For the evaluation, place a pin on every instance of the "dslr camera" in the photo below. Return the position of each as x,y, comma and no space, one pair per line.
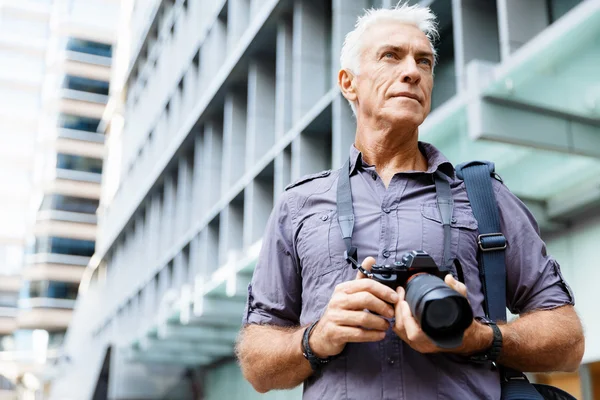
442,312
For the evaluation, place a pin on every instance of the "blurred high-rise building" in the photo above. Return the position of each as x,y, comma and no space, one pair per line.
218,104
55,63
23,40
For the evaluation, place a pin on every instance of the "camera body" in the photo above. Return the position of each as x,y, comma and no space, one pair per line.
400,273
442,313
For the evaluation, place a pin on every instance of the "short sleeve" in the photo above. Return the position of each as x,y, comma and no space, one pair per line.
275,295
534,279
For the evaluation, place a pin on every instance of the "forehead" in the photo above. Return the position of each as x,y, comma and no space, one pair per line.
395,33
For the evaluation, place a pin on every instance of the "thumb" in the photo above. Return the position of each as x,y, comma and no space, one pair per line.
456,285
366,264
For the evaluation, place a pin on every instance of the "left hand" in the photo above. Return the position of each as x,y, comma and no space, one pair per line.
408,329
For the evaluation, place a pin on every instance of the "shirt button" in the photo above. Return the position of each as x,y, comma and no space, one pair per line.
386,210
453,220
386,253
391,361
324,217
374,176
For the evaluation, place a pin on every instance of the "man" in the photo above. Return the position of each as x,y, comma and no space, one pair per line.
302,276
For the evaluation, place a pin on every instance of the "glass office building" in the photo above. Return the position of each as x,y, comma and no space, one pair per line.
217,105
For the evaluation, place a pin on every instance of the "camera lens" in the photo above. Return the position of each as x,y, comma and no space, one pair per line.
443,313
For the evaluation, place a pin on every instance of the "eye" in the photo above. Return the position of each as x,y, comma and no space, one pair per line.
389,55
424,61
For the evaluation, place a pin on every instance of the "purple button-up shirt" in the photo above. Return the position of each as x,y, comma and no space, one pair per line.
302,260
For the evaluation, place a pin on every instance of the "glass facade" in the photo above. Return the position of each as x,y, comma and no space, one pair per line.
85,85
89,47
24,338
78,122
58,245
69,203
49,289
79,163
8,299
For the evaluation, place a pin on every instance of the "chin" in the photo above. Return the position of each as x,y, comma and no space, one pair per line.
404,118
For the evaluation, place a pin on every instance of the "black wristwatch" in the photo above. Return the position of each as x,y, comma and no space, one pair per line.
493,352
316,363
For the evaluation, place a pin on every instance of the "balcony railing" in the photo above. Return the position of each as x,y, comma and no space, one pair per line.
46,302
78,175
72,94
68,216
76,134
53,258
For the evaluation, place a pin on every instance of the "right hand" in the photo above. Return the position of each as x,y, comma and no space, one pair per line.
345,320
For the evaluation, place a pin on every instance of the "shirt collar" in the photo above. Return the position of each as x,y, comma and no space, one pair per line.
435,160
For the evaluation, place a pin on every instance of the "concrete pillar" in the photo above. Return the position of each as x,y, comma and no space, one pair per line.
311,78
234,137
261,110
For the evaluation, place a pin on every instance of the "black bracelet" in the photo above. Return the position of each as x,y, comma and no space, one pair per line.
315,362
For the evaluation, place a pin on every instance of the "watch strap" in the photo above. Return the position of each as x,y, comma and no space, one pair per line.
316,363
493,352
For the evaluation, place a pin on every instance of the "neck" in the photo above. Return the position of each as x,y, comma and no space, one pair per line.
390,151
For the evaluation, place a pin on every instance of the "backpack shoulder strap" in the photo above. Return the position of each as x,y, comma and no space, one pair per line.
478,176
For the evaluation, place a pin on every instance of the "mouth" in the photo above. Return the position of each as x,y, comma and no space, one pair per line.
408,95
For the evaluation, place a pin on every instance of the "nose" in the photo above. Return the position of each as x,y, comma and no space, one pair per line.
410,72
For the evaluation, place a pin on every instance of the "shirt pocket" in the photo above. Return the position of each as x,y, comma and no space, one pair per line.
320,250
463,232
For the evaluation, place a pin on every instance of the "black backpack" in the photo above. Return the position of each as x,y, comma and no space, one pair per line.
477,176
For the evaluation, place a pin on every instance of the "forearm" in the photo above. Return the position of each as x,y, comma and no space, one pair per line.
271,357
543,341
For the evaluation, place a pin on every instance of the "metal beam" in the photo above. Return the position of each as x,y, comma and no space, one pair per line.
522,124
217,311
180,347
168,358
200,333
583,197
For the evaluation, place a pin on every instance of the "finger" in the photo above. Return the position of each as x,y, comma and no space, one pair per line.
411,326
350,334
368,301
369,285
399,323
360,319
456,285
366,264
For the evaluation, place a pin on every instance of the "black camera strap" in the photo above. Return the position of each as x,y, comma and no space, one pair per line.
345,213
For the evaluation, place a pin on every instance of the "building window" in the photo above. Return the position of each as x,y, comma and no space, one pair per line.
49,289
70,204
85,85
77,122
89,47
79,163
66,246
558,8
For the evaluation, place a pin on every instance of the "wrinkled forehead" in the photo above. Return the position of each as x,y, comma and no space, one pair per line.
394,33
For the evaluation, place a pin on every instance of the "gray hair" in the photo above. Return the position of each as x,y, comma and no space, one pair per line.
416,15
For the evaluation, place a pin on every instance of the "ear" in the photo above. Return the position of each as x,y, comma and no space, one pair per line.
347,84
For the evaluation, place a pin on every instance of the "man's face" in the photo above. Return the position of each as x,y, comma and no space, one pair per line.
396,74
